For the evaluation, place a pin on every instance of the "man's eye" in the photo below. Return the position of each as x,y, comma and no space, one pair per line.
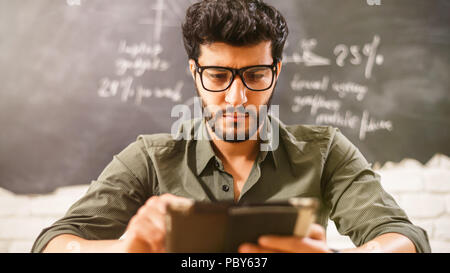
217,76
254,76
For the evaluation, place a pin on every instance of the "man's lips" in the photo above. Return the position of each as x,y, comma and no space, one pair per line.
236,116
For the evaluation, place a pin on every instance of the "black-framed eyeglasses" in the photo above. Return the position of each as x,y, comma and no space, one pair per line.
219,78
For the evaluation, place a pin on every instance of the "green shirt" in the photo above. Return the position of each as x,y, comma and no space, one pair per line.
310,161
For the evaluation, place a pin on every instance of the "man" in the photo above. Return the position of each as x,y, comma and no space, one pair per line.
234,49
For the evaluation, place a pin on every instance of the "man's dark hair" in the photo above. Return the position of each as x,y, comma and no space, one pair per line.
235,22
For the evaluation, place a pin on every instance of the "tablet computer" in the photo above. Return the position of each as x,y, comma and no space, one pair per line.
204,227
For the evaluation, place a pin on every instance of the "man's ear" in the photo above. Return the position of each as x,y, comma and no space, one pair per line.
279,66
192,68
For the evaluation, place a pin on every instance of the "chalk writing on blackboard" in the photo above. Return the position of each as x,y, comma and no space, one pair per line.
316,102
371,125
322,107
348,120
140,58
125,89
356,53
306,56
136,59
341,88
344,54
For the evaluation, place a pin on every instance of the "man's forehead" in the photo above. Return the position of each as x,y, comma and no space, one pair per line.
223,54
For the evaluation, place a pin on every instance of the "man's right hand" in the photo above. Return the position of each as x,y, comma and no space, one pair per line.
146,231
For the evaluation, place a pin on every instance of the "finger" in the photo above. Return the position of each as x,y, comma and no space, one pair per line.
152,233
316,232
156,202
139,235
146,238
170,199
282,243
293,244
156,217
161,202
146,225
153,214
252,248
157,239
315,246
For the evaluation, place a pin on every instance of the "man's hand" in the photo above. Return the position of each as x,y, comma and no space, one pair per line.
314,242
146,231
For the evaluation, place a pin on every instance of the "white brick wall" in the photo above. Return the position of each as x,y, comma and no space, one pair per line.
422,190
22,217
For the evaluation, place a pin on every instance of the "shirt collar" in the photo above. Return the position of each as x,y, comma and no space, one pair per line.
269,141
203,149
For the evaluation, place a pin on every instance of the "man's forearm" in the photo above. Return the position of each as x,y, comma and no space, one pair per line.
75,244
386,243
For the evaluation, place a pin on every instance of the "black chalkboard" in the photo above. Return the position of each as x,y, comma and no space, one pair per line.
81,79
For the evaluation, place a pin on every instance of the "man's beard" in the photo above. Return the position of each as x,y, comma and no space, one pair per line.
249,120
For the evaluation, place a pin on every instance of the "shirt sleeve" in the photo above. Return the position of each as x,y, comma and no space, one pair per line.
359,206
104,211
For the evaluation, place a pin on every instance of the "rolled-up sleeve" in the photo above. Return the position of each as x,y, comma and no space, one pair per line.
105,210
359,206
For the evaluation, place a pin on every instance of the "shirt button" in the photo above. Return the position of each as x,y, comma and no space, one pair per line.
225,188
216,164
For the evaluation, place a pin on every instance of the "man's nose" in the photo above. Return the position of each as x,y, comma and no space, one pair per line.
236,93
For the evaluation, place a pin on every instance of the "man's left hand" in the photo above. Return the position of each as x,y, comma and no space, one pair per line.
314,242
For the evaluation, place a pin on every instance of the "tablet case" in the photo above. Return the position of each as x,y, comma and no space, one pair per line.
223,226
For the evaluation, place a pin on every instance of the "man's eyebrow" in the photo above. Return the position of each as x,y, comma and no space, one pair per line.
256,66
